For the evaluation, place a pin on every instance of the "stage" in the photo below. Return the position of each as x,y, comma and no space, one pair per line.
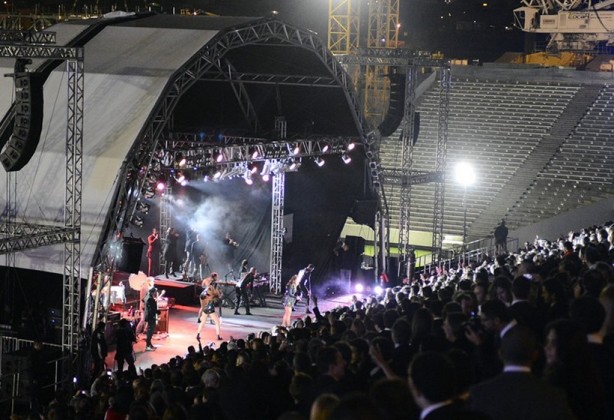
182,328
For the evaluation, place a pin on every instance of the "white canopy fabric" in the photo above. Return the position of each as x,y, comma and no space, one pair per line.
126,70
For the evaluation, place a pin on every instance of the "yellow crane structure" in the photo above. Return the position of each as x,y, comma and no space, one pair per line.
345,37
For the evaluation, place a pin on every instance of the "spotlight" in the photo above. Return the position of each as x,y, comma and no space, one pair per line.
160,186
319,161
359,288
219,157
254,153
184,183
253,168
218,174
148,192
266,177
351,146
325,148
346,159
142,207
296,150
137,221
294,165
180,178
378,290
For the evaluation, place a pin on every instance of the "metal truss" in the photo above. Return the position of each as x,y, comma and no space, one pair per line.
31,51
72,208
273,79
241,149
208,59
394,176
28,37
277,231
407,136
440,158
20,236
166,218
242,96
30,236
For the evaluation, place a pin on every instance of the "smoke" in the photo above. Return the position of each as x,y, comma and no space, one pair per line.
229,209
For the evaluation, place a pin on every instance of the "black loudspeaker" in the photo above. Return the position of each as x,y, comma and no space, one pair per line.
132,252
395,107
356,244
363,212
28,122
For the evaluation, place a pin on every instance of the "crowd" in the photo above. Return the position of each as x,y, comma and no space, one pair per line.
526,334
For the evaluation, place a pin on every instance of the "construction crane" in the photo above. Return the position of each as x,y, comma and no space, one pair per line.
572,24
346,37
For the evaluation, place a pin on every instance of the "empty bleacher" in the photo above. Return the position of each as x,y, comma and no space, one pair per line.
539,148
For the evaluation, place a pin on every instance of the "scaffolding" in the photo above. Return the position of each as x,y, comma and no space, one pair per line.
23,235
277,231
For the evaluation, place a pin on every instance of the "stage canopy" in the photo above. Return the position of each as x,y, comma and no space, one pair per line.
149,77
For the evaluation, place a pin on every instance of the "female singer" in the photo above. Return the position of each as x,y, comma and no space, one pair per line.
289,300
207,309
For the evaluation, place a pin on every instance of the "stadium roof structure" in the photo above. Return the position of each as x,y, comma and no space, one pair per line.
150,76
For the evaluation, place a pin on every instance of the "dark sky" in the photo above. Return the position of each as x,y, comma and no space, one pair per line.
469,29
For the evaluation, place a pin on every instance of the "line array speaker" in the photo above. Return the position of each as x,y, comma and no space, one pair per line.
28,122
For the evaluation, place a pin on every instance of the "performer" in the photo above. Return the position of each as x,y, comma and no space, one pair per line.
241,290
153,253
289,300
170,252
147,284
98,349
207,308
124,338
199,259
190,238
304,283
151,316
211,281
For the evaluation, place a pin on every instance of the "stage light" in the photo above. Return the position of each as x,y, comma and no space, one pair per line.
148,192
160,186
346,159
219,158
248,178
266,177
379,290
296,150
254,153
351,146
294,165
218,174
181,160
253,168
319,161
325,148
179,178
142,207
359,288
138,221
184,182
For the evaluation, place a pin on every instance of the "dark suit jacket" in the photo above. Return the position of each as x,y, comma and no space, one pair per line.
455,411
518,395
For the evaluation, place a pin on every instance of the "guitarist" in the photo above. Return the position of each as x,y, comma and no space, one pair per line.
151,316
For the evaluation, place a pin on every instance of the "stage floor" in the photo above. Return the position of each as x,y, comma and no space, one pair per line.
182,328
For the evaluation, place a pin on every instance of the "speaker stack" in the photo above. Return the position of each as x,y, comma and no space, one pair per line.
28,122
